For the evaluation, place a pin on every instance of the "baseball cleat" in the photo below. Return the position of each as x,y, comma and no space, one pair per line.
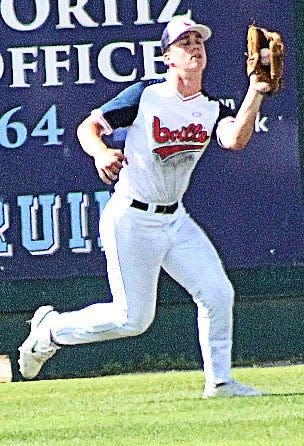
37,348
230,389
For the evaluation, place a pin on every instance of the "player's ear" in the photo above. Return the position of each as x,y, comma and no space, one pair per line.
166,56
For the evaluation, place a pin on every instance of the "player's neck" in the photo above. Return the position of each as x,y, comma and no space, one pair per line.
187,84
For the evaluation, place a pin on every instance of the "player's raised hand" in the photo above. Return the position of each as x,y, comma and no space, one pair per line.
109,163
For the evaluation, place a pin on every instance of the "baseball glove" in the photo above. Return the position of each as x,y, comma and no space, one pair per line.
265,57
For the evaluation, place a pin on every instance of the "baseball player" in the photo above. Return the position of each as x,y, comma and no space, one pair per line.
144,226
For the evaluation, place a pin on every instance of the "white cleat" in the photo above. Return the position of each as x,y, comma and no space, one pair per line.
37,348
230,389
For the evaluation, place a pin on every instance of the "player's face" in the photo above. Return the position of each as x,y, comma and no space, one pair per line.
188,52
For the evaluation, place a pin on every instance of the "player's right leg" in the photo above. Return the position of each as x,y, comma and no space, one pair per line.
134,249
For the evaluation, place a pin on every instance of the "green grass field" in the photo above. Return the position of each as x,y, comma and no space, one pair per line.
154,409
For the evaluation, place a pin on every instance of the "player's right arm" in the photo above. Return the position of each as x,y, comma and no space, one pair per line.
108,161
121,111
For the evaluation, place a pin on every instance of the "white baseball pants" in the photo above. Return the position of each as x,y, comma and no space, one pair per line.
137,244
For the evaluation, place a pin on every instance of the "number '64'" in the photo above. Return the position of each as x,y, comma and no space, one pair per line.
13,133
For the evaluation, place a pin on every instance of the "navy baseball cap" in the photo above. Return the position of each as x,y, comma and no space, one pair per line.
179,25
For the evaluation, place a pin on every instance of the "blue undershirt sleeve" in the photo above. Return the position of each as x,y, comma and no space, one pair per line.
122,110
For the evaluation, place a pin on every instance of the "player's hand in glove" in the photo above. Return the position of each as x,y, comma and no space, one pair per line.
108,163
265,60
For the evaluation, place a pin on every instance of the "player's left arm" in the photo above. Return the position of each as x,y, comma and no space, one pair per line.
234,133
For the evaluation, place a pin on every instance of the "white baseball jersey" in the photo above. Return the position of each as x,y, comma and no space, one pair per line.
167,135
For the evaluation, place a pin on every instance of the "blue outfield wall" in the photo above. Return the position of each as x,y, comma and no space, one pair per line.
67,60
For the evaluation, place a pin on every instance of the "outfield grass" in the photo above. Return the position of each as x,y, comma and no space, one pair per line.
160,409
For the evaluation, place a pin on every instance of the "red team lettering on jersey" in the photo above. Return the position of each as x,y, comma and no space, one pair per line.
193,135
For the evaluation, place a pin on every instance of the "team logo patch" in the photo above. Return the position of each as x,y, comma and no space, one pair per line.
168,151
192,138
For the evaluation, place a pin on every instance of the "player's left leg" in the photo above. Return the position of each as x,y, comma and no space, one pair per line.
194,263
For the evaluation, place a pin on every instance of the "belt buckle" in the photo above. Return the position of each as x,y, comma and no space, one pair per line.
161,209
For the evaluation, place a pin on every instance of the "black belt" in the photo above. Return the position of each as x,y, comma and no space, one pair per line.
159,209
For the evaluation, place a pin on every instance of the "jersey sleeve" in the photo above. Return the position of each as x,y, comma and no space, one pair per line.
225,114
122,110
